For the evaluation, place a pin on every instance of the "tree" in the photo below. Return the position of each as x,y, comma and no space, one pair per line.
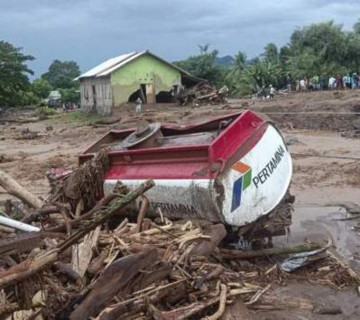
41,88
357,27
326,42
271,53
353,51
70,95
14,73
238,66
203,66
303,64
61,74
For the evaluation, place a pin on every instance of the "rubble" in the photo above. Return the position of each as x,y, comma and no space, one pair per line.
108,260
203,93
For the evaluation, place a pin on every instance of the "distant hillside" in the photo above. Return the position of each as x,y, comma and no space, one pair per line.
225,61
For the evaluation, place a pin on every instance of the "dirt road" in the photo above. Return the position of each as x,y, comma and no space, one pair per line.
326,166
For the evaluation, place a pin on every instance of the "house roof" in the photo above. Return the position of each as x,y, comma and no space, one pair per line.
102,67
106,68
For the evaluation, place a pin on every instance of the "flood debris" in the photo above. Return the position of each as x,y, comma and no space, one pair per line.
203,93
15,189
299,260
109,259
27,134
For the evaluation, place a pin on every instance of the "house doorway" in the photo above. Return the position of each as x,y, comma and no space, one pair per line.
140,93
150,93
94,96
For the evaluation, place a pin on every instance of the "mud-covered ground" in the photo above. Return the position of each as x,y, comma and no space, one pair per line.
321,129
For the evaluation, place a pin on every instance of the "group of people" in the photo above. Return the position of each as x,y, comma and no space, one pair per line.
68,106
266,93
348,81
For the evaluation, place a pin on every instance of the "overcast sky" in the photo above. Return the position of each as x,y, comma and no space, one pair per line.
90,31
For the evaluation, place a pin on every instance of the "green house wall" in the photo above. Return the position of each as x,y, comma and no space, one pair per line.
143,70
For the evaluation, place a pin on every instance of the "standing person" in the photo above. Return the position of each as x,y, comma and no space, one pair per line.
306,83
344,81
138,102
332,83
315,82
272,92
339,82
262,93
288,83
347,81
302,85
354,81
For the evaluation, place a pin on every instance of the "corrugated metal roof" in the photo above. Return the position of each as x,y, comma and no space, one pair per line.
102,67
117,66
109,66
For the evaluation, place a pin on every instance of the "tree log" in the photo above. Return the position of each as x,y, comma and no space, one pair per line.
22,242
38,213
237,254
138,304
29,267
114,278
15,189
205,247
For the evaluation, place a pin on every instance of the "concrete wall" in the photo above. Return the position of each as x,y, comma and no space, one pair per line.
103,95
143,70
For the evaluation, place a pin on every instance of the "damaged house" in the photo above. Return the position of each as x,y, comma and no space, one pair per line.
129,76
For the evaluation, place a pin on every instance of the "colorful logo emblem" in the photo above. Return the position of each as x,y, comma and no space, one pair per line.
240,184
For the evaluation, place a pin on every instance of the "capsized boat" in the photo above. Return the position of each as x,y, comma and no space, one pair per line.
233,169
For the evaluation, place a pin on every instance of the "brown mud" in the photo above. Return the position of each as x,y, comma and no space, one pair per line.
321,172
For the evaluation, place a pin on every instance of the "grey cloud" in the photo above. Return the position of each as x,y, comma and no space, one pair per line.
93,30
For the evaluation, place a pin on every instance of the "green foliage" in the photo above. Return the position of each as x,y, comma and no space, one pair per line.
318,49
41,88
204,66
322,48
357,27
14,81
271,53
70,95
61,74
44,112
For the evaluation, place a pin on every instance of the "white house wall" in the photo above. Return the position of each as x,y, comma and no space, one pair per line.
103,95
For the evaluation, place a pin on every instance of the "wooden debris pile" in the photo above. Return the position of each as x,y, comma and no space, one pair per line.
203,93
112,262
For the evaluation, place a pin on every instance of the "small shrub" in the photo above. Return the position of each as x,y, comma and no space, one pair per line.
45,112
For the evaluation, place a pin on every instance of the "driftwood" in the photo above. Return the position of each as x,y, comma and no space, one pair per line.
33,216
188,311
143,208
67,270
97,263
83,218
205,247
21,243
30,266
82,253
237,254
220,311
203,93
132,267
138,304
17,190
115,277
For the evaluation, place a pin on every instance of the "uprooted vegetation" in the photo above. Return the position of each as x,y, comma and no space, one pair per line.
114,258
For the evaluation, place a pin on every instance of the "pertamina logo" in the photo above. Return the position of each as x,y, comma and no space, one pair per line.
240,184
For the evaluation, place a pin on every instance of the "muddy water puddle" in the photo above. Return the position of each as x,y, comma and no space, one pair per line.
318,224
